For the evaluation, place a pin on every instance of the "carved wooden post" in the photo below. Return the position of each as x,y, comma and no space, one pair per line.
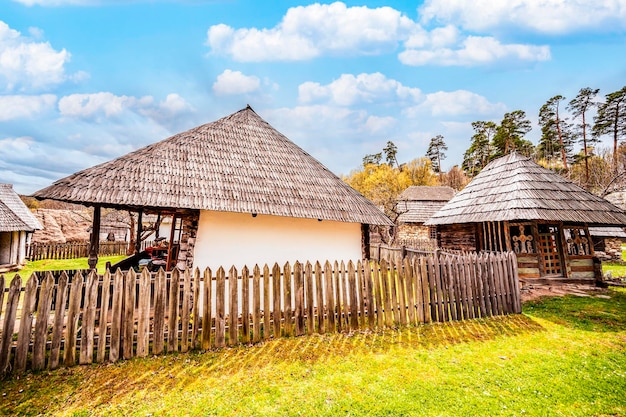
139,229
94,244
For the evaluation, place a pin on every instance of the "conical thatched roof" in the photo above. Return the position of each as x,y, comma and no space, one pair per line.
14,215
236,164
515,188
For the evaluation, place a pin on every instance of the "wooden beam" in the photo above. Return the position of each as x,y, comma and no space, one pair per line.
139,228
94,243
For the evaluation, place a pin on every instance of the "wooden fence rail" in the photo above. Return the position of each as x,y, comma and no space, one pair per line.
80,319
72,250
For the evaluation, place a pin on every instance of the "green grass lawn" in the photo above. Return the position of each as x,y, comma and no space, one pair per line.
561,357
62,264
617,270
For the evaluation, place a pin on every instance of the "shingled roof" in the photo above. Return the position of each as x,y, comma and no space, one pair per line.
236,164
515,188
417,203
14,215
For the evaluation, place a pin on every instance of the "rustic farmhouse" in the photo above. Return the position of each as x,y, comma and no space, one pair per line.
516,205
417,204
17,224
239,193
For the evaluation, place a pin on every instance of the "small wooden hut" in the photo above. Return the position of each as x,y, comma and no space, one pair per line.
417,204
516,205
238,191
17,224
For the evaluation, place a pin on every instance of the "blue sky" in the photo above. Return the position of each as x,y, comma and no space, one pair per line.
84,81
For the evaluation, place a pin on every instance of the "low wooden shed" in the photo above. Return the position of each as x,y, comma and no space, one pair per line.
516,205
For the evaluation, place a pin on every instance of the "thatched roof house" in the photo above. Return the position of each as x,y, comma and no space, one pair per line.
515,204
239,182
16,225
417,204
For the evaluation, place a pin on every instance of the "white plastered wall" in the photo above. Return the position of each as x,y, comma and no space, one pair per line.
227,239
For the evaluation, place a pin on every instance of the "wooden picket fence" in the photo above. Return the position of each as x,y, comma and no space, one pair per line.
80,319
73,250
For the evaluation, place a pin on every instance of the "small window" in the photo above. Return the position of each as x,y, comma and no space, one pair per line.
432,232
522,239
577,241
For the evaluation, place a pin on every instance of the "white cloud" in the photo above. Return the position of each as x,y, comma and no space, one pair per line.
376,124
306,32
15,107
544,16
455,103
234,82
29,65
475,50
363,88
107,105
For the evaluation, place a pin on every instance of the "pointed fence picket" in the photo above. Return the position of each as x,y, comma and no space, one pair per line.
97,318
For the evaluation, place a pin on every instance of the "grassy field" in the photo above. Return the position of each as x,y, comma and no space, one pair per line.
561,357
62,264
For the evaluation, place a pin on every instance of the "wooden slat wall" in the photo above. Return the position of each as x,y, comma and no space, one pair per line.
128,315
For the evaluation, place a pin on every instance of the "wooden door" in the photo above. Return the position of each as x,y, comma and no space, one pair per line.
550,250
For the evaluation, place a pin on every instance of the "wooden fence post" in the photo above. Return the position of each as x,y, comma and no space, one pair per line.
256,304
41,325
207,309
233,314
10,313
89,318
73,314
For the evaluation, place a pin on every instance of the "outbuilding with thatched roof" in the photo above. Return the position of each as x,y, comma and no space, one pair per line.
514,204
239,192
17,223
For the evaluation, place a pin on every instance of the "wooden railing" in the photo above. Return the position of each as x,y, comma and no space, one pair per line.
81,319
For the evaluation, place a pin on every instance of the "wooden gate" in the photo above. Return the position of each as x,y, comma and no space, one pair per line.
550,250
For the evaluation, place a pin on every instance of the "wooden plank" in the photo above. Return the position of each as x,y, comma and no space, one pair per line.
490,306
160,308
299,293
330,297
128,315
88,322
266,302
319,298
369,296
2,288
103,319
309,298
256,304
143,312
410,289
116,316
425,284
402,298
432,289
276,312
57,325
361,294
354,320
393,290
338,302
41,324
207,308
385,295
195,311
416,266
73,314
220,319
504,284
185,311
497,291
26,324
343,287
8,325
172,311
233,313
287,299
245,305
517,305
468,294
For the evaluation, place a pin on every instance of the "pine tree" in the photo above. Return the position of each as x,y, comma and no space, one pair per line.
611,120
556,137
579,106
435,152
